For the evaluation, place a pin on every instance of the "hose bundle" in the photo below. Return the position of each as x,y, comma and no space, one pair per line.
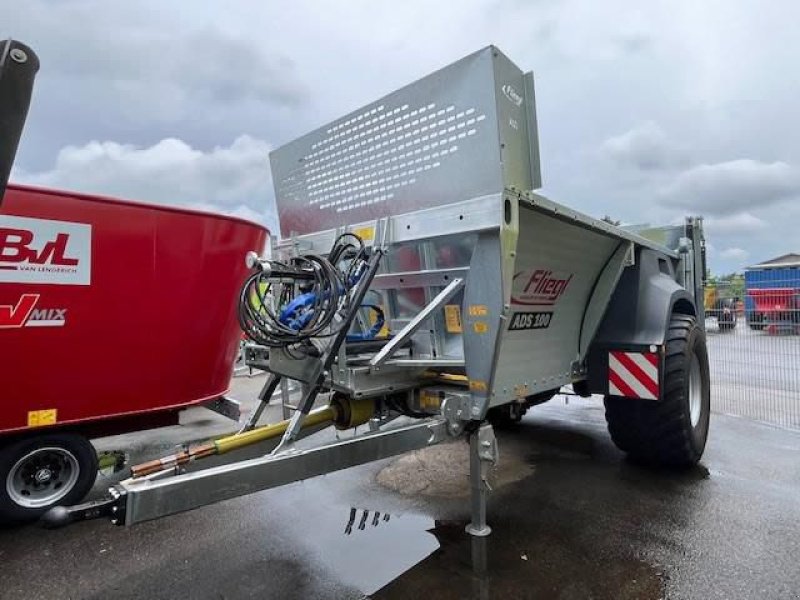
306,302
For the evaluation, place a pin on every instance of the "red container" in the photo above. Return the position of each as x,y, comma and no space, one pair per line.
780,308
112,308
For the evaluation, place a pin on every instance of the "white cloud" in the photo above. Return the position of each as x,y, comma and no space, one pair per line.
153,60
146,71
646,147
726,188
743,222
232,179
737,254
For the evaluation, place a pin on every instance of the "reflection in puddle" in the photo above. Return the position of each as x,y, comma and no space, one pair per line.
480,567
365,515
368,549
378,548
361,547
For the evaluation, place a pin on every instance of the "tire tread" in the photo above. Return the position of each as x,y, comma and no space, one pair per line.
659,432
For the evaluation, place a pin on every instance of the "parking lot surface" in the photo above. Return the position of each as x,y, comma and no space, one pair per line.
571,519
755,374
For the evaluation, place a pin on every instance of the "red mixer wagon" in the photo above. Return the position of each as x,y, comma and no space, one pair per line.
114,315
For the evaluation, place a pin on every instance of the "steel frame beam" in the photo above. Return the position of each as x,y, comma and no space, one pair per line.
415,323
146,499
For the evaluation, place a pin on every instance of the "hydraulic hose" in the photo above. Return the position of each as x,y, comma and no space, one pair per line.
291,302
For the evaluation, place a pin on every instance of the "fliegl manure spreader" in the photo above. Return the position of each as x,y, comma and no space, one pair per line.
421,288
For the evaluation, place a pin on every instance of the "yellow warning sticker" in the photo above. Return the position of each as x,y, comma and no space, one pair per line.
480,326
476,385
478,310
365,233
39,418
452,318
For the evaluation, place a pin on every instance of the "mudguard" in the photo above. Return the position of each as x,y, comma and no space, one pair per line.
638,314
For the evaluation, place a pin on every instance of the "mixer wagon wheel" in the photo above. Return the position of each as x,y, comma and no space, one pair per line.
39,472
672,430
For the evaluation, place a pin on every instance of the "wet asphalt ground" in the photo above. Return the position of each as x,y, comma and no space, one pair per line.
571,519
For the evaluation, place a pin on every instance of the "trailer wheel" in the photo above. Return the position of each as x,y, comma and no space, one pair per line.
671,431
37,473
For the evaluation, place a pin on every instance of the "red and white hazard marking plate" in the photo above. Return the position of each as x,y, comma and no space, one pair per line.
633,374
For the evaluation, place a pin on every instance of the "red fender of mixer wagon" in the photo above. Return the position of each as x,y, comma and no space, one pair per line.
112,309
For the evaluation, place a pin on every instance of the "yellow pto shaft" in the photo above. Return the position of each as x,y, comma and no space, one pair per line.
266,432
342,412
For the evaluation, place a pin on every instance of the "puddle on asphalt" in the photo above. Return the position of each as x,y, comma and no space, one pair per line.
361,547
507,565
388,556
545,552
367,548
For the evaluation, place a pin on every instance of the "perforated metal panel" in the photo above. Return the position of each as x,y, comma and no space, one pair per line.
459,133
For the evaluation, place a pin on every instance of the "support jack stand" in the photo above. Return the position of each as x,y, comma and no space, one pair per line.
483,455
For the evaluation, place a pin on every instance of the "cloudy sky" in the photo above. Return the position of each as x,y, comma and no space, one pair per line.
647,110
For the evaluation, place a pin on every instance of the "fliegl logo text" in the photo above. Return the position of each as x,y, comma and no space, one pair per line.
44,251
512,94
29,312
539,287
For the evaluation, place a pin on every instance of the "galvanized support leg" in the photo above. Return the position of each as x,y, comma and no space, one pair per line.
285,408
264,397
309,395
482,456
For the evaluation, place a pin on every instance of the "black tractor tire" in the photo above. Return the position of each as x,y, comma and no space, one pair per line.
672,430
727,323
724,311
42,471
756,322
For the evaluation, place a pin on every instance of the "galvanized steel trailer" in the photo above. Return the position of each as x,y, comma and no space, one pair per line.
468,298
